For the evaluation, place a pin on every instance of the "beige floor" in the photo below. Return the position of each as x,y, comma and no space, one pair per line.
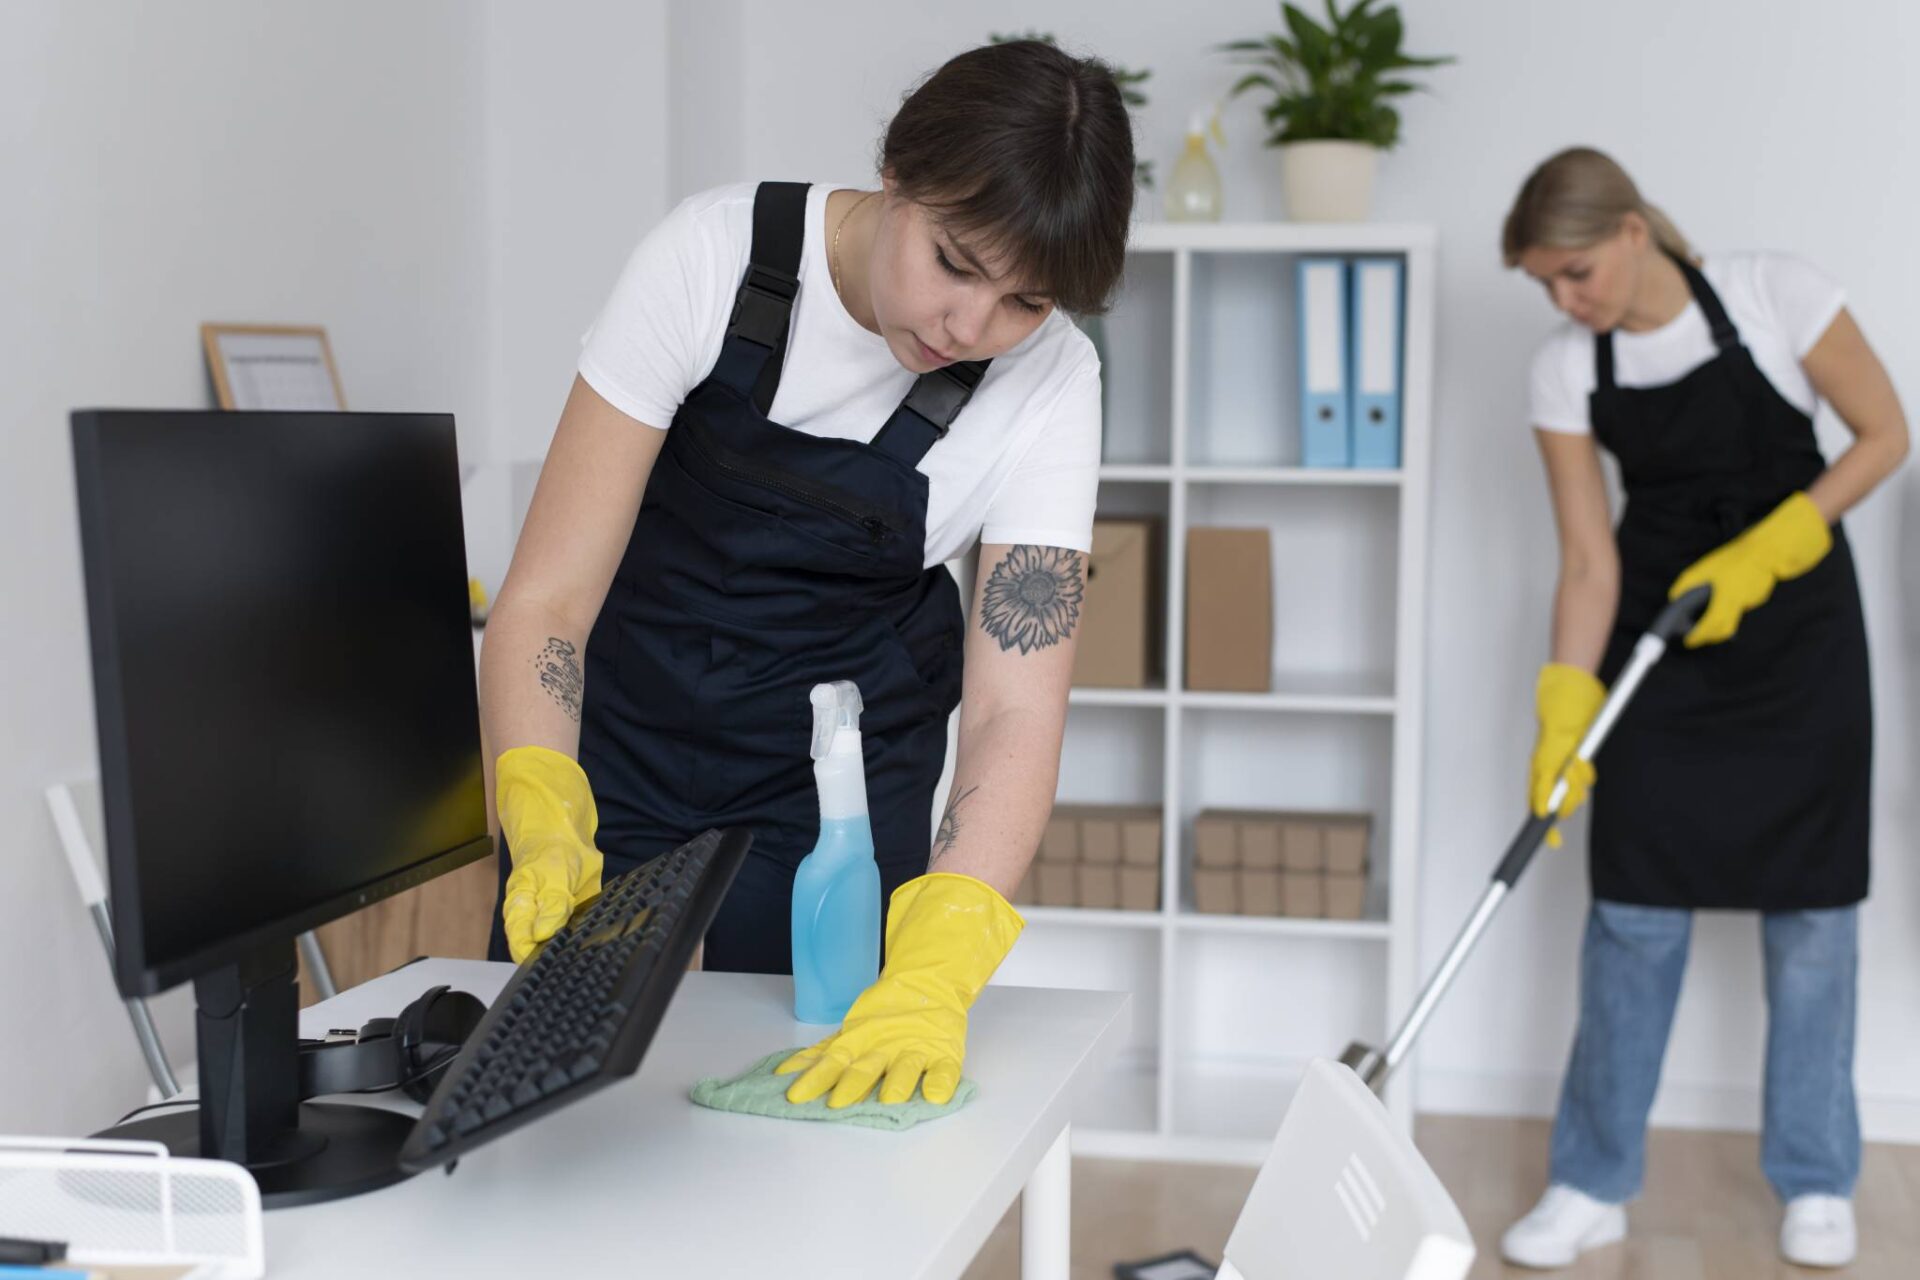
1707,1214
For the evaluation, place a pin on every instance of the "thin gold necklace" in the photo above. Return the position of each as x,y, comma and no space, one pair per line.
833,255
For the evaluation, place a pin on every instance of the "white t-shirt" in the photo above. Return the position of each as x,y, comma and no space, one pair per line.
1781,305
1021,464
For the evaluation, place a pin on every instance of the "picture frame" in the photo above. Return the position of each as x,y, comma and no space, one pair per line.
272,366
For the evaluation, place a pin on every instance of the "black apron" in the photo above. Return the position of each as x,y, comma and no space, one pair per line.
764,561
1738,777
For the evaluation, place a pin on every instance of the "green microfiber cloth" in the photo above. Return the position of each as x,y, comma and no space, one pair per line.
758,1092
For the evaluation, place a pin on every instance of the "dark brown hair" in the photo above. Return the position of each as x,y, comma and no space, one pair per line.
1023,150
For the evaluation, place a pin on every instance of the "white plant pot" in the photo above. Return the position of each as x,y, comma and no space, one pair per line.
1326,181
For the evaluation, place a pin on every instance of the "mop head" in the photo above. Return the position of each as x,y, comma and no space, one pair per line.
758,1092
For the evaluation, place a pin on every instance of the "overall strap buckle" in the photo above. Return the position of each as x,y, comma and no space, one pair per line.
763,305
940,395
922,419
763,308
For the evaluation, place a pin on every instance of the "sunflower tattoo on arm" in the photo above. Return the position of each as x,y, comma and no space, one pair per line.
1032,600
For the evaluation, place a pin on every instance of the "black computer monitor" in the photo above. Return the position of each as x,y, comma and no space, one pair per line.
288,731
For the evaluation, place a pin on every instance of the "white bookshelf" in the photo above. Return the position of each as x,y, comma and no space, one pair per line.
1202,429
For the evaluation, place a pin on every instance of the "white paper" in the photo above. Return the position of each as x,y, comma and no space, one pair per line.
278,371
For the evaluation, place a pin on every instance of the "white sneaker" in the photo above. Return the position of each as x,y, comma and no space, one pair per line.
1818,1231
1563,1225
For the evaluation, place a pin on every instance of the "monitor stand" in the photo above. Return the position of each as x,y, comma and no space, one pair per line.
250,1113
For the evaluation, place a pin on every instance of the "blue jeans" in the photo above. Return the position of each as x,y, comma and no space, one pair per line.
1630,969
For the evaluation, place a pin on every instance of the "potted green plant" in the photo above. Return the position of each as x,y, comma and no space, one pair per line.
1331,112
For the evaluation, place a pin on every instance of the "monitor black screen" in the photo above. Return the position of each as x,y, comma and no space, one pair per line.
283,672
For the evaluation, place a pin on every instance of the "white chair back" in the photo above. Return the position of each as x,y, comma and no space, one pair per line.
1345,1194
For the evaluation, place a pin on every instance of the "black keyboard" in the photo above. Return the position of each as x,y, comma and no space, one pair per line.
580,1014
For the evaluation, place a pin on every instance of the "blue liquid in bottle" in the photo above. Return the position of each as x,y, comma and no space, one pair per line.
836,922
836,891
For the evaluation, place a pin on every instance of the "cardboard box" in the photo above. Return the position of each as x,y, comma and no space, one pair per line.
1119,642
1058,884
1345,839
1140,839
1099,838
1259,843
1302,893
1060,842
1230,609
1259,892
1216,841
1346,896
1099,886
1216,892
1301,845
1139,888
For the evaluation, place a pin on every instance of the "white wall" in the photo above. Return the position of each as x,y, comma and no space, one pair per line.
449,188
1752,134
575,117
166,165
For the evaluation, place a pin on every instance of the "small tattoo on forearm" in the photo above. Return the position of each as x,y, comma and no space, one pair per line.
559,668
1032,600
950,825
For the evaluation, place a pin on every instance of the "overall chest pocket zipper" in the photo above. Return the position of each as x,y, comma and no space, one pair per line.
820,497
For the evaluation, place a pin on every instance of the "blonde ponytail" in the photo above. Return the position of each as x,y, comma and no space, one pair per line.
1577,198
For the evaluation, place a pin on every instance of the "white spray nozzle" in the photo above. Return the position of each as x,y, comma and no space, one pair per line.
1204,122
836,706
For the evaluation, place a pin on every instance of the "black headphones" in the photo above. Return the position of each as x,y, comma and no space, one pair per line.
410,1052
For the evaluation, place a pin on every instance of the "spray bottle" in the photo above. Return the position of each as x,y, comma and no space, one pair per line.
1193,193
836,892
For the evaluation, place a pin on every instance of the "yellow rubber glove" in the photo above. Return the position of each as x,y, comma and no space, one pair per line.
1567,699
1790,541
946,934
548,818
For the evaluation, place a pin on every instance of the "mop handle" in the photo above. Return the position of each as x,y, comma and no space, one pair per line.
1673,621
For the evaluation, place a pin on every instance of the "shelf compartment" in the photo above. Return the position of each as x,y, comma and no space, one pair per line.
1243,398
1335,554
1113,753
1249,1011
1135,340
1241,759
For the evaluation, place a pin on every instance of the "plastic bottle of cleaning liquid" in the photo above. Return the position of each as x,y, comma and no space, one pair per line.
1193,192
836,892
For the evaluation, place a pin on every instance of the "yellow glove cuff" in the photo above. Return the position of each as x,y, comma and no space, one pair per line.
542,793
1567,697
957,926
1792,539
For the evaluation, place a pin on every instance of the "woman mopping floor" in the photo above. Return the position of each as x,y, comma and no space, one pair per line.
1739,776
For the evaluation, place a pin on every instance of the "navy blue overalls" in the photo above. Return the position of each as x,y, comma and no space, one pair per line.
764,561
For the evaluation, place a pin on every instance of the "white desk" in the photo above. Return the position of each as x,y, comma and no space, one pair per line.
637,1171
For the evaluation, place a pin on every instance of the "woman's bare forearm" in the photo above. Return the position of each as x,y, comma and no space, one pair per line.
1583,609
532,679
1849,376
1003,787
1858,472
